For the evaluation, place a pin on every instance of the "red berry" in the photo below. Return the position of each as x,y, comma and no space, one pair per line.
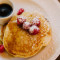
21,20
1,48
34,30
20,11
36,21
26,25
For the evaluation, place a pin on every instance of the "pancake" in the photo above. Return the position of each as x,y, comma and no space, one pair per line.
19,43
2,29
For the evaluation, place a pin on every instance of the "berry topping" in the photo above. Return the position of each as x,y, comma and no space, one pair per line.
21,20
36,21
20,11
1,48
26,25
34,30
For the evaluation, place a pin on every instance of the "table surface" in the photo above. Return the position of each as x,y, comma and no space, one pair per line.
59,55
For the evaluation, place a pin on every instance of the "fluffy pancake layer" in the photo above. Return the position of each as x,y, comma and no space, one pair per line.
19,43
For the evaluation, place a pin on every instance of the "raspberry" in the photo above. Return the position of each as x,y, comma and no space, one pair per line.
26,25
21,20
21,10
34,30
36,22
1,48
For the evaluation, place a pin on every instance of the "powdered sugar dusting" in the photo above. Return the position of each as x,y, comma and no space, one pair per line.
36,21
33,28
23,17
26,25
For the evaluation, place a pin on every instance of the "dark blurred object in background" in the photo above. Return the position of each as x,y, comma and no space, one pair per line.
58,58
59,0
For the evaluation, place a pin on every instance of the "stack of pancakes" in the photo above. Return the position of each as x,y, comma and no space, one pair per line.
19,43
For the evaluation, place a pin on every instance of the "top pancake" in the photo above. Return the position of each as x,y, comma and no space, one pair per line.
19,43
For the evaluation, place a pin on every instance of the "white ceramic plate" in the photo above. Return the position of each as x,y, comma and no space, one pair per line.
51,10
